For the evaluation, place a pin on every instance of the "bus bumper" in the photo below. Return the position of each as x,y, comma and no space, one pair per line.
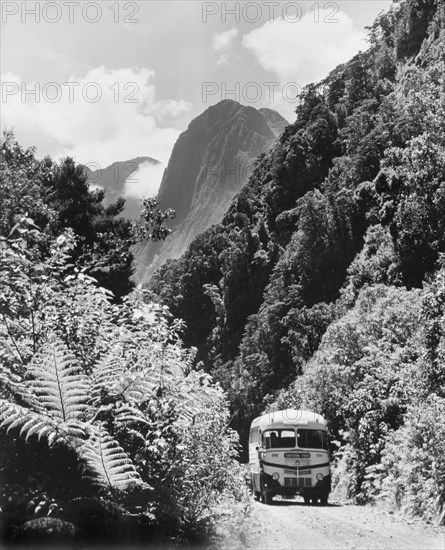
321,489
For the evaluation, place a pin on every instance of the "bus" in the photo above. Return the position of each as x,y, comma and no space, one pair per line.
289,455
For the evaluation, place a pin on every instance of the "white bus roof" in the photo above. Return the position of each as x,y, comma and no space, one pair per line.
289,417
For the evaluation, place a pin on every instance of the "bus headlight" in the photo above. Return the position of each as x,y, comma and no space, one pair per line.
319,477
276,476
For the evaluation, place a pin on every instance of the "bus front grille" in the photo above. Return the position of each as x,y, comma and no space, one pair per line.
300,473
297,481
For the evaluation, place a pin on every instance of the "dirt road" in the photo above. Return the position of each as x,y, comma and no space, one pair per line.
289,524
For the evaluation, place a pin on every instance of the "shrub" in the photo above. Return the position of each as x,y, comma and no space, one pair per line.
413,478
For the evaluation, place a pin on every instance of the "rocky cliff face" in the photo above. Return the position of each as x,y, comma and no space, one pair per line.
112,180
210,162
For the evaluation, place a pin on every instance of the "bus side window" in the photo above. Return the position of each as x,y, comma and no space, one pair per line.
254,436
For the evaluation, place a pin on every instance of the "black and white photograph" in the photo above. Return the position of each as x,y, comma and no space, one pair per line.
222,275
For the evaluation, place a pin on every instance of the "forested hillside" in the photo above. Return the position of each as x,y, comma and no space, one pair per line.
323,286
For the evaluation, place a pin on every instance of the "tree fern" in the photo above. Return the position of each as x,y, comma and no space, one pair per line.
13,416
51,401
58,382
19,391
129,414
107,373
114,375
106,463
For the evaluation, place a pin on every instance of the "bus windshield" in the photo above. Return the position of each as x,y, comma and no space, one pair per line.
312,439
279,439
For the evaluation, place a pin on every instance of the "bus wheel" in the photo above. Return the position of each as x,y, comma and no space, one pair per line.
307,500
314,500
266,496
324,500
256,494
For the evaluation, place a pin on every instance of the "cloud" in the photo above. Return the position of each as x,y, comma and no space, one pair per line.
223,41
224,59
145,181
104,116
304,51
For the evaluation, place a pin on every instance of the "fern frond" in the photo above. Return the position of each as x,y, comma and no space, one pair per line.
58,382
13,416
114,377
108,373
196,395
20,392
138,386
128,414
106,463
172,367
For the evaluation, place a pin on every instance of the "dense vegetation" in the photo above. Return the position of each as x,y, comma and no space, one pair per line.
323,285
107,433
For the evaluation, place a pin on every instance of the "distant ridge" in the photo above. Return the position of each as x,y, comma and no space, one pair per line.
112,180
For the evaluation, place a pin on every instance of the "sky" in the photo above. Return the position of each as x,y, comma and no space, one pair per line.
110,81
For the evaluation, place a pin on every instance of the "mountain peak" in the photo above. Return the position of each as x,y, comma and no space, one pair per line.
210,162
